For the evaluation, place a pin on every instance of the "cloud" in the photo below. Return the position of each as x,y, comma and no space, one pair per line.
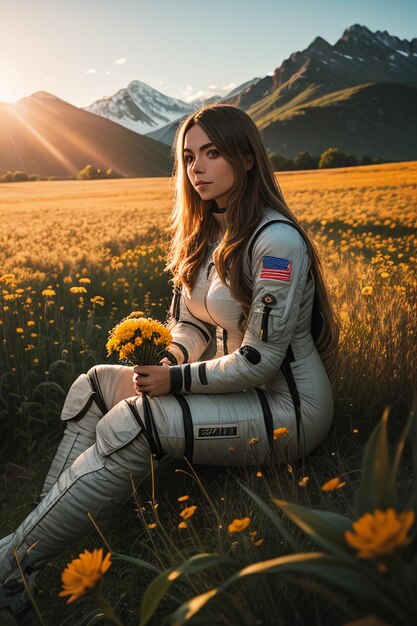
119,61
90,71
188,94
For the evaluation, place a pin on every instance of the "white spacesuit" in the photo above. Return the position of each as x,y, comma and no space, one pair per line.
229,391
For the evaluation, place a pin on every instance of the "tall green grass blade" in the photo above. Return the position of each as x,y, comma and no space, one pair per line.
274,518
158,587
333,570
326,529
131,559
376,489
411,504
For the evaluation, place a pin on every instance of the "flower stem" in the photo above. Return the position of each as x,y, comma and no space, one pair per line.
104,606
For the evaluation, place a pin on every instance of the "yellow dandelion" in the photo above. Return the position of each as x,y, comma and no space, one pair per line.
334,483
259,474
30,323
49,292
280,432
83,574
238,525
36,360
367,290
380,533
97,300
20,330
76,290
151,526
84,281
384,275
183,525
188,512
183,498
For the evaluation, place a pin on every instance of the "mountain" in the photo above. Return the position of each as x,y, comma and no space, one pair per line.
140,108
358,95
358,57
376,119
166,134
45,135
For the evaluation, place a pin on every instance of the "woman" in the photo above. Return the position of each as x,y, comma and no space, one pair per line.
243,361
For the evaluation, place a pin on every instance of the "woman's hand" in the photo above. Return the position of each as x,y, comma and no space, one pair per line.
154,380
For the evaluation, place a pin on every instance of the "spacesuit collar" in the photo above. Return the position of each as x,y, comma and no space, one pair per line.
214,208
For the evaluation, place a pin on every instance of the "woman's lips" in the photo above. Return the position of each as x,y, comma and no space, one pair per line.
202,185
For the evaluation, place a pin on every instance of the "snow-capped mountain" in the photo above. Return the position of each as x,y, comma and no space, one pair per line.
140,108
358,57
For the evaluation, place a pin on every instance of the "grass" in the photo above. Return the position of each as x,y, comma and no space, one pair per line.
106,237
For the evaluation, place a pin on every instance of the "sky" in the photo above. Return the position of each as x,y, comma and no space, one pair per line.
83,50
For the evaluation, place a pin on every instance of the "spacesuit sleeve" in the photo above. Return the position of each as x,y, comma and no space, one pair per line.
190,336
280,265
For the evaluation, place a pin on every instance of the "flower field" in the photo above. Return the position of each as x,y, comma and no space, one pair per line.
76,257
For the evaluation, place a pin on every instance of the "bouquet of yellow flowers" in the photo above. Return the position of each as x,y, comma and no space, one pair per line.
139,340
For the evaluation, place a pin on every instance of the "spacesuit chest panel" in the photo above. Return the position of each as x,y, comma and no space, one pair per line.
212,302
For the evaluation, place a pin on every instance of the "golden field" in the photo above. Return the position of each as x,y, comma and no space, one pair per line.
77,255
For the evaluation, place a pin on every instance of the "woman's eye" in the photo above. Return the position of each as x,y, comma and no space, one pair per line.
214,153
188,159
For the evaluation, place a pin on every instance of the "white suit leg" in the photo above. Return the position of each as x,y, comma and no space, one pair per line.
98,481
90,396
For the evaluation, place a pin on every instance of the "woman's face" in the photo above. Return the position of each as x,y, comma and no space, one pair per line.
211,175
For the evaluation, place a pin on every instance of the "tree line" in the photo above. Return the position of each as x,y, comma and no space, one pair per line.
330,158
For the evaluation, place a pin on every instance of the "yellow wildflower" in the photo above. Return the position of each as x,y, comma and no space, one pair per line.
151,526
238,525
20,330
30,323
253,440
380,533
82,574
49,292
183,498
368,290
280,432
84,281
303,482
97,300
188,512
183,525
78,290
334,483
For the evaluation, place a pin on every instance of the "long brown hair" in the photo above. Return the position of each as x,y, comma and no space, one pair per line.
193,227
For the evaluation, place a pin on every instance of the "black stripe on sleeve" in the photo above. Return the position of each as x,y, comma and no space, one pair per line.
187,377
203,332
202,374
183,350
175,374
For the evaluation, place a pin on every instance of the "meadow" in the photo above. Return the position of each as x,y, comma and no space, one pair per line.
77,256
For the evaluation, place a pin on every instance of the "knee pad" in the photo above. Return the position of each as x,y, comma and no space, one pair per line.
81,399
116,429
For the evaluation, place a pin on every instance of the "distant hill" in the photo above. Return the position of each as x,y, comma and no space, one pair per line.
45,135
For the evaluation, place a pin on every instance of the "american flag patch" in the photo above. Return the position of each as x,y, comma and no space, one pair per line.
275,268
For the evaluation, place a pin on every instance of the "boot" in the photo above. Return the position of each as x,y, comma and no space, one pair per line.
98,481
